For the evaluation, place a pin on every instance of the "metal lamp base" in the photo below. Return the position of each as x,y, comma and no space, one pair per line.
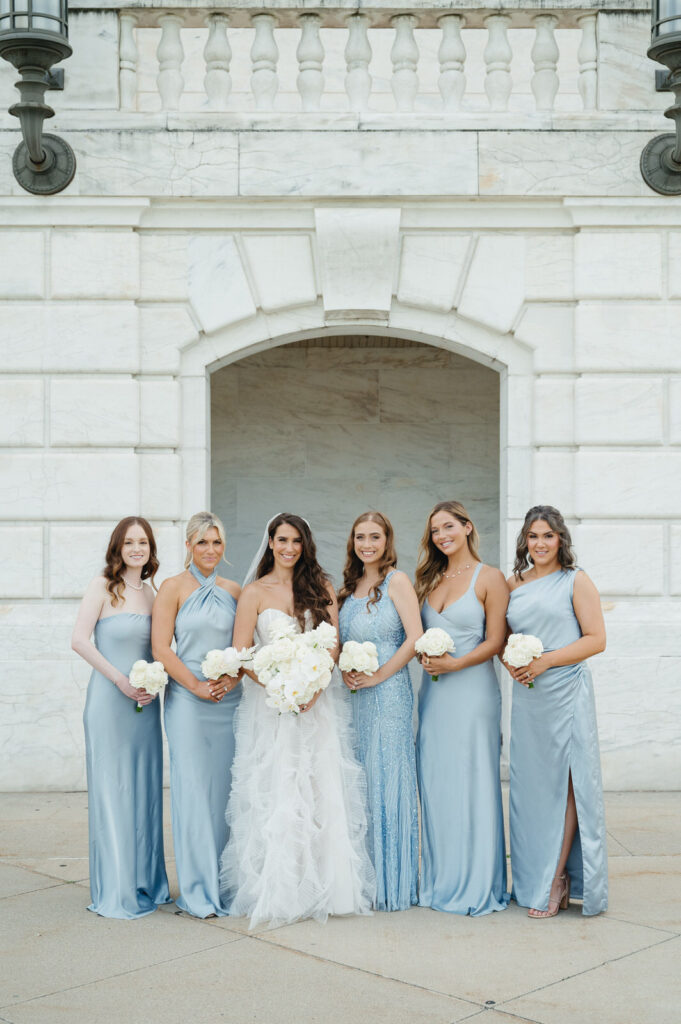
660,172
54,174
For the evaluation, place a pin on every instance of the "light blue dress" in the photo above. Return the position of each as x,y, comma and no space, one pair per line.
124,757
463,857
201,747
385,746
553,733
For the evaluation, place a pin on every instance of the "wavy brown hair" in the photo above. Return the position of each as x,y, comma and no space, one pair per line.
432,562
115,566
567,558
353,569
310,582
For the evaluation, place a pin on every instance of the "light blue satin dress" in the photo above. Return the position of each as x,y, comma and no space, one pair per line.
124,757
553,733
385,747
201,747
458,747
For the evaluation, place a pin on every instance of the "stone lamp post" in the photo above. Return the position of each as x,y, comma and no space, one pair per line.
33,37
661,158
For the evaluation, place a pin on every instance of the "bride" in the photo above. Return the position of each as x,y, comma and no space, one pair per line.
296,811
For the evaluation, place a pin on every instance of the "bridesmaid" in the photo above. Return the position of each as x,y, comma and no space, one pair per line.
198,607
124,752
463,865
557,821
378,603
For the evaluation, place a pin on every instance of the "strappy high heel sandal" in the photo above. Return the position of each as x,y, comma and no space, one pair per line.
561,903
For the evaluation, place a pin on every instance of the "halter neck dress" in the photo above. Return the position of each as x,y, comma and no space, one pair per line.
458,747
554,733
201,747
382,718
124,758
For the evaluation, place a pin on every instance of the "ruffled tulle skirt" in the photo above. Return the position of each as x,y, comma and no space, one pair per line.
296,814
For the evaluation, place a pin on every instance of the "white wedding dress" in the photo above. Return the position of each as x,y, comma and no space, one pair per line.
297,810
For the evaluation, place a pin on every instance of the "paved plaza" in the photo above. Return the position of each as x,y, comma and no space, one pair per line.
62,965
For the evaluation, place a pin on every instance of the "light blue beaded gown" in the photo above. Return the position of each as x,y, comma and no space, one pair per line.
124,757
463,857
553,734
201,747
385,746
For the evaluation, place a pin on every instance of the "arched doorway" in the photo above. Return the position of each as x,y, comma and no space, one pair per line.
329,426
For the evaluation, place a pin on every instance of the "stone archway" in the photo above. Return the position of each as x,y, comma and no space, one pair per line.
330,426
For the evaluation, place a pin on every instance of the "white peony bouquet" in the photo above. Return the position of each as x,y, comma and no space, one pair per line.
521,649
294,665
228,662
148,676
358,657
434,643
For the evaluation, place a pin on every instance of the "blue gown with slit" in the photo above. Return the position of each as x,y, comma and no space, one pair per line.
201,748
554,734
124,758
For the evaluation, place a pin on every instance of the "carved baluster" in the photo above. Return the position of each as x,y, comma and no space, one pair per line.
404,55
357,58
588,61
498,60
545,60
264,57
310,55
127,60
217,54
170,56
452,56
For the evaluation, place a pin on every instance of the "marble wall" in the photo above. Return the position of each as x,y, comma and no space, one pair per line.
117,314
331,427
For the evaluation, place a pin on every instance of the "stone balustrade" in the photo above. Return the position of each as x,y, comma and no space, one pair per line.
438,60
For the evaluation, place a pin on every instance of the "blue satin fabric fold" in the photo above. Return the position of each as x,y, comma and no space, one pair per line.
124,757
201,748
382,718
554,733
463,856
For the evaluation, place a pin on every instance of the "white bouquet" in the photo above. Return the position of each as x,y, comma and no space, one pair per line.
434,643
148,676
228,662
358,657
294,665
521,649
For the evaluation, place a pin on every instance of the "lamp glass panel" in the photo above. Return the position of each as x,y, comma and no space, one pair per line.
663,10
48,7
4,7
20,5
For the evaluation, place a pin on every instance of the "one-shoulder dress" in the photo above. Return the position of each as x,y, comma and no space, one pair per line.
385,746
463,857
201,747
553,734
124,757
296,812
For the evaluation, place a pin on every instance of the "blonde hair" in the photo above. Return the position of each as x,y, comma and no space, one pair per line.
432,562
197,528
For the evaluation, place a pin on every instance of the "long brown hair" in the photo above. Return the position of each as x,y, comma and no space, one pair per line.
567,558
432,562
310,582
115,566
354,567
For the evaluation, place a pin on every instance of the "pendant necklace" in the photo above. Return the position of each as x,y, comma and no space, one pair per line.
453,575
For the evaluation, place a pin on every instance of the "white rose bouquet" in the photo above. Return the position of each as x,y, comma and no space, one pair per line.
148,676
521,649
359,657
228,662
294,665
434,643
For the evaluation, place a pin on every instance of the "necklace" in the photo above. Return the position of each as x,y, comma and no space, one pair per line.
133,586
453,575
